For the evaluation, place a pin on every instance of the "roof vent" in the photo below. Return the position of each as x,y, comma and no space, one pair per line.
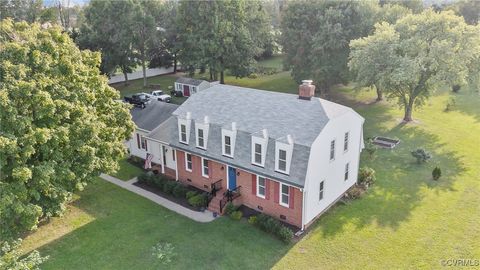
206,120
234,125
289,139
306,90
265,133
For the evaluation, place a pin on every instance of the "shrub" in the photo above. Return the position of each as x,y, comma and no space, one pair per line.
253,76
366,176
190,194
158,181
451,104
436,173
285,234
163,252
230,208
421,155
142,178
179,190
236,215
371,149
456,88
169,186
199,200
355,192
252,220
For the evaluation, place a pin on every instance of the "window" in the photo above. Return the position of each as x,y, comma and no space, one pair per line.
164,155
282,160
188,162
173,155
332,150
346,171
143,141
284,195
200,139
320,194
205,167
261,182
258,153
183,133
345,142
228,146
194,89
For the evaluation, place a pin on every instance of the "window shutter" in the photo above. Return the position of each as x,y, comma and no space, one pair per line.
138,141
276,191
291,196
254,184
267,189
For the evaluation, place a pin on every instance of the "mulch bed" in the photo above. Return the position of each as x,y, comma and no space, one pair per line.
248,212
182,201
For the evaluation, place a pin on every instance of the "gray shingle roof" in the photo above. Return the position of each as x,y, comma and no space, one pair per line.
153,115
189,81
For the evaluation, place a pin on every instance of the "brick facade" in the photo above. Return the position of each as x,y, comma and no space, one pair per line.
269,205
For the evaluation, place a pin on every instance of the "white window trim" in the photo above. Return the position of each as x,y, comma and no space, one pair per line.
232,134
143,143
288,148
346,172
348,141
330,149
203,167
186,162
197,135
280,195
187,123
264,143
258,185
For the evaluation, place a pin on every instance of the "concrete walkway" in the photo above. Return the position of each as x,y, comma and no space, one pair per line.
139,74
206,216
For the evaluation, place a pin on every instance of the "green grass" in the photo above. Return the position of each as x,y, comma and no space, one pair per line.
127,170
117,230
406,220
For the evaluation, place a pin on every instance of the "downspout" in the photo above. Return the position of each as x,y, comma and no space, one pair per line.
303,208
176,164
162,157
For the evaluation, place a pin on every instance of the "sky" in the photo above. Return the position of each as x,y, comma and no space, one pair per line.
50,3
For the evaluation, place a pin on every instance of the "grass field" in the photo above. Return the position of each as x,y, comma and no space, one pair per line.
406,221
127,170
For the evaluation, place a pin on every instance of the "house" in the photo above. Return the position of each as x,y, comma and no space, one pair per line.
289,156
190,86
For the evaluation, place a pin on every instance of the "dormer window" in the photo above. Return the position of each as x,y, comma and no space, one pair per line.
200,138
184,128
227,146
201,133
183,133
259,148
283,155
228,141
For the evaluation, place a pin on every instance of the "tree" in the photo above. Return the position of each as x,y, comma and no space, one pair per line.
105,31
470,10
417,54
60,123
316,34
21,10
223,39
10,258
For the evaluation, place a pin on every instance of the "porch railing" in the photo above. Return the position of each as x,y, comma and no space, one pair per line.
214,187
229,196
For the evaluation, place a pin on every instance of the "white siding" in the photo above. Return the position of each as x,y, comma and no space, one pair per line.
320,168
133,145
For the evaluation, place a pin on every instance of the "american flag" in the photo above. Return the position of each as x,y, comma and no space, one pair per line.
148,161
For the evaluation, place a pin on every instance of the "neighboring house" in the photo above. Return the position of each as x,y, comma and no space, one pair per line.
289,156
189,86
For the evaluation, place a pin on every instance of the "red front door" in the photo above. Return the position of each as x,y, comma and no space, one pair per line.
186,90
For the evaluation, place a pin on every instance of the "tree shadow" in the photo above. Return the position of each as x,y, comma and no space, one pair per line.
468,103
400,180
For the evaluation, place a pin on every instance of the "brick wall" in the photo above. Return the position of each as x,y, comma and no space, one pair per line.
195,177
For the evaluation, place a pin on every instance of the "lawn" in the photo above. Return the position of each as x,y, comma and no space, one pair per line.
406,220
127,170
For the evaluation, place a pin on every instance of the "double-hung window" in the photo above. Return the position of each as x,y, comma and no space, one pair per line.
205,167
188,162
284,195
320,194
282,160
346,171
143,141
200,138
228,146
261,184
332,150
345,142
183,133
258,153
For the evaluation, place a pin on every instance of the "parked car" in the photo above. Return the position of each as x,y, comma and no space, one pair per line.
176,93
139,100
160,96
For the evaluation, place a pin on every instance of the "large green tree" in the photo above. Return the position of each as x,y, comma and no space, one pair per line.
316,35
418,53
60,123
219,35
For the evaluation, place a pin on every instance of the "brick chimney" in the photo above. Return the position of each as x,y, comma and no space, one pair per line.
306,90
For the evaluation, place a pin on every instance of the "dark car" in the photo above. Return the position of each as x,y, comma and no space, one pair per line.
176,93
139,100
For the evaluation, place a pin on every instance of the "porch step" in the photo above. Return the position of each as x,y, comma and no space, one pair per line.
214,204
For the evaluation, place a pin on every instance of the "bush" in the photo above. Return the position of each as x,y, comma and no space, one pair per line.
456,88
236,215
230,208
436,173
158,182
252,220
169,186
366,176
199,200
371,149
285,234
451,104
143,178
421,155
190,194
253,76
179,190
355,192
